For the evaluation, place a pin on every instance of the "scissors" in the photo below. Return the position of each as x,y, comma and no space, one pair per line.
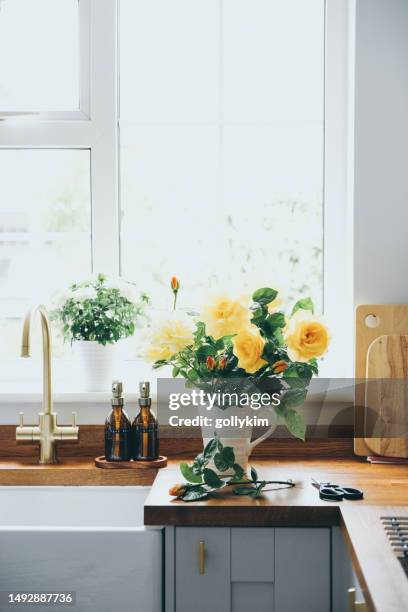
332,492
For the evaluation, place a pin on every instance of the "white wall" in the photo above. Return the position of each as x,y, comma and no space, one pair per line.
381,152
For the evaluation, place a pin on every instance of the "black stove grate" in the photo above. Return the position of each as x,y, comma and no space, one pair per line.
396,528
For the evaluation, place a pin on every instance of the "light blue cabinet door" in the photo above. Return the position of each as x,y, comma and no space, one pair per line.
302,570
209,591
252,569
252,554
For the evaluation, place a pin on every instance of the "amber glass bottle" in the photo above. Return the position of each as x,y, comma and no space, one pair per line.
118,428
145,429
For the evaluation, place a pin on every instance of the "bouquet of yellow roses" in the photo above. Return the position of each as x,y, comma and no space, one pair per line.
254,343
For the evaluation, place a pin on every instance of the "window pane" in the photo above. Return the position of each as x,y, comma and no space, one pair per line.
162,230
229,199
39,48
169,60
278,73
45,231
273,203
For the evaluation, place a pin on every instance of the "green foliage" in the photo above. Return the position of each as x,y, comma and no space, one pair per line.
202,480
304,304
189,473
210,482
264,296
100,311
225,459
295,424
212,479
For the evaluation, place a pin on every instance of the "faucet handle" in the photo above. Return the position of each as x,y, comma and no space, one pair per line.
21,419
73,421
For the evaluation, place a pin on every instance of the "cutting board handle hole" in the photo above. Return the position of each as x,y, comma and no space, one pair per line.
372,321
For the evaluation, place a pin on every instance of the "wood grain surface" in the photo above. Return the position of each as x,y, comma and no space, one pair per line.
387,396
391,319
382,485
380,574
72,472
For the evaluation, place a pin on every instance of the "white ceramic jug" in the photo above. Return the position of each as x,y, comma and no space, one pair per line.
239,438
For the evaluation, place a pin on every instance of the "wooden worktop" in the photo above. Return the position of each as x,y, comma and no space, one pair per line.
381,576
382,485
70,472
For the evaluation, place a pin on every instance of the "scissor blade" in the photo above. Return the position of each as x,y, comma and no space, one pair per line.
318,484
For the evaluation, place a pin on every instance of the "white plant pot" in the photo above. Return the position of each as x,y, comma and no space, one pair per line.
98,364
237,437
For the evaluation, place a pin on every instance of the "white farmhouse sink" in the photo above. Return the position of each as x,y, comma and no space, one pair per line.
87,540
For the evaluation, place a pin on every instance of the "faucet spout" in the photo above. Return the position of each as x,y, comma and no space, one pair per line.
46,350
47,432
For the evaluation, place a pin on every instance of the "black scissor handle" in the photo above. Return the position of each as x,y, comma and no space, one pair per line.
351,493
330,493
334,493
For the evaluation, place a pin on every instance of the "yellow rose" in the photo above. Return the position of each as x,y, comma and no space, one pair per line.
306,337
168,338
223,316
248,346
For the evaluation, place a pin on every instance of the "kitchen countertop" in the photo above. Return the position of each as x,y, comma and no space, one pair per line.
381,576
70,472
382,484
383,581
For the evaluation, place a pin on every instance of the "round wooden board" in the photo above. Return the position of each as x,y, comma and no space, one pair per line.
101,462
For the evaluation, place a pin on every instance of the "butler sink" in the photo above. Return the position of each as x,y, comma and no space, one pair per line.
89,541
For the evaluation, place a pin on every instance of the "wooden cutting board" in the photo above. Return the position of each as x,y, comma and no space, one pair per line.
380,358
386,393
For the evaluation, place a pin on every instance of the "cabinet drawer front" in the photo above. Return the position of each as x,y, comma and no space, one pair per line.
210,590
252,554
302,570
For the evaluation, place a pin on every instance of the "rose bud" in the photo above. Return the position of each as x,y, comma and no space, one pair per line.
175,286
210,363
280,366
175,283
177,490
222,364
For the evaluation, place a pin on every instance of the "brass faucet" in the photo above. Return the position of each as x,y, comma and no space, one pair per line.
47,432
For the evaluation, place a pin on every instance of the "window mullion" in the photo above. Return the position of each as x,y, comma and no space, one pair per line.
103,108
337,237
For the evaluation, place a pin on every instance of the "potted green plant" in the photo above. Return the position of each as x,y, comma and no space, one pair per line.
94,315
254,346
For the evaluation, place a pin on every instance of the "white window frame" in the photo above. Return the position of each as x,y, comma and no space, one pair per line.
95,127
338,177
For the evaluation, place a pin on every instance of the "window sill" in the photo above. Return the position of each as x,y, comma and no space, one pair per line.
32,395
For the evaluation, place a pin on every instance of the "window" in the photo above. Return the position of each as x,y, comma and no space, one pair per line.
224,162
39,55
44,229
222,148
58,215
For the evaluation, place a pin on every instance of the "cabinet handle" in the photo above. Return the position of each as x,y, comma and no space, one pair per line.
201,557
356,606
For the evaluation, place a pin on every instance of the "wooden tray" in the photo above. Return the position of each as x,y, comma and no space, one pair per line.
101,462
